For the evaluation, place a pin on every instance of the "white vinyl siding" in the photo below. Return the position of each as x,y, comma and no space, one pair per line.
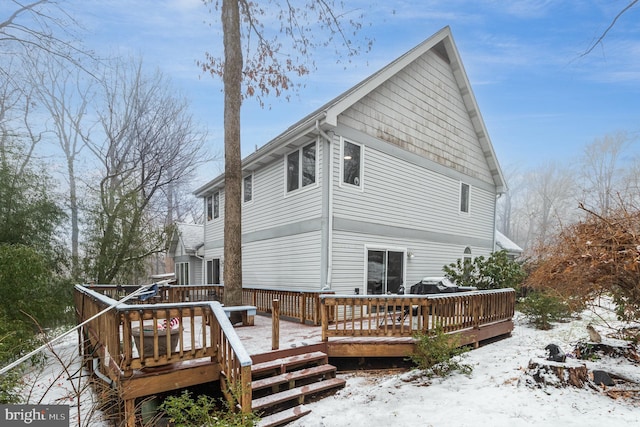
349,259
293,261
273,209
214,230
270,209
405,195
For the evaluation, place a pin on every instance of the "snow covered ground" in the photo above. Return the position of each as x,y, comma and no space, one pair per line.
496,393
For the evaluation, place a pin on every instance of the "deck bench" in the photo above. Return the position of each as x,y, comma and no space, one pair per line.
247,311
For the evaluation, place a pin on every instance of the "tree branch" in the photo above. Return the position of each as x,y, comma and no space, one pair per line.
604,34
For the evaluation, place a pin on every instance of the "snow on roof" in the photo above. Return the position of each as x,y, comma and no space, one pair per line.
506,244
192,235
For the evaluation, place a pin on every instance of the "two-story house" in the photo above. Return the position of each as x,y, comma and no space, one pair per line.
378,188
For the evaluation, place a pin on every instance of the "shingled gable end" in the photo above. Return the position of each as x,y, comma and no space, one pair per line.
376,189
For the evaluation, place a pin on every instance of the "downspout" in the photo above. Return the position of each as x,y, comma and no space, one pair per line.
103,377
203,265
495,220
329,178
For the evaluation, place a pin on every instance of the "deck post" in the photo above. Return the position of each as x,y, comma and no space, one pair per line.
275,324
324,319
245,378
303,308
130,412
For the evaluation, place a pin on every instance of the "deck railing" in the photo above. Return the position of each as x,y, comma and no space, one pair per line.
135,336
234,361
303,305
404,315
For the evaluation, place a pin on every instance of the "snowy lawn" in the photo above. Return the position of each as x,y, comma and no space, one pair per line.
496,393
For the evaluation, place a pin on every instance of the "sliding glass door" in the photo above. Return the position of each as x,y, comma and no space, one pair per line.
385,271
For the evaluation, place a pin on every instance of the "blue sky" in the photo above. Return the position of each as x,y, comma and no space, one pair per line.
539,98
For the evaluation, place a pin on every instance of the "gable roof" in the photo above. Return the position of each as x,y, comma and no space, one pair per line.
326,116
191,236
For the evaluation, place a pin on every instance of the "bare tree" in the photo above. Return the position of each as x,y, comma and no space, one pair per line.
631,182
265,67
41,25
545,200
149,142
16,104
65,94
507,202
601,168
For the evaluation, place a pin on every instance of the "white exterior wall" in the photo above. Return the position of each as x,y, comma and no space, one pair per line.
272,206
291,262
195,264
214,229
398,193
405,203
273,252
350,259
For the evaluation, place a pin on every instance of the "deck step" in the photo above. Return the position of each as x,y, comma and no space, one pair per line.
285,364
284,417
293,376
297,393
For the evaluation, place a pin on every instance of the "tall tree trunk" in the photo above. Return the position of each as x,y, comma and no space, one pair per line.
232,79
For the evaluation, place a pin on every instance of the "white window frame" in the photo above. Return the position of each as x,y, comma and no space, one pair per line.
250,177
468,199
342,183
300,176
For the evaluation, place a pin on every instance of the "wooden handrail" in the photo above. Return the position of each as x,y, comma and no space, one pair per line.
405,315
234,360
130,337
302,304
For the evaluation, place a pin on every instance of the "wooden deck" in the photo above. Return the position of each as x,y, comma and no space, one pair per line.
205,348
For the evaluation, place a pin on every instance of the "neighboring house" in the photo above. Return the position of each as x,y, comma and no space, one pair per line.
186,241
378,188
503,243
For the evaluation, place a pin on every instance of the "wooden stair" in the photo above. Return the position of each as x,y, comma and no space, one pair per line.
280,386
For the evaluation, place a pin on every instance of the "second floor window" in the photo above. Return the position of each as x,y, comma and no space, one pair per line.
247,188
209,208
301,167
465,190
216,204
351,164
